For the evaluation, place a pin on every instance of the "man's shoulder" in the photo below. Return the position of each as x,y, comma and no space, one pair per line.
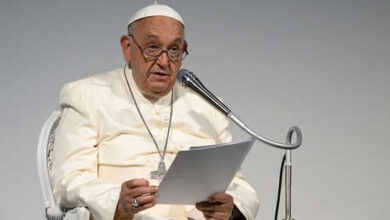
97,80
90,86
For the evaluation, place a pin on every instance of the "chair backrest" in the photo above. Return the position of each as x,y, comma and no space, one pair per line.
45,163
44,157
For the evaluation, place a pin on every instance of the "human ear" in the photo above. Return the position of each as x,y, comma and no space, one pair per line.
185,46
126,48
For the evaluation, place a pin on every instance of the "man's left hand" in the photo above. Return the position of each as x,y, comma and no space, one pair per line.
218,206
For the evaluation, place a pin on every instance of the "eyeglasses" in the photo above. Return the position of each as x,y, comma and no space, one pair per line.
152,52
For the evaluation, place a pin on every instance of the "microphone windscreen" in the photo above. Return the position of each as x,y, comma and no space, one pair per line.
182,74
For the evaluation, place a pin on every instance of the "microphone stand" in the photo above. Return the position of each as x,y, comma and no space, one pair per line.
190,80
288,146
287,177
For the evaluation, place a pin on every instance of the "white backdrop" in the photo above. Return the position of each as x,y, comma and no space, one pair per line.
321,65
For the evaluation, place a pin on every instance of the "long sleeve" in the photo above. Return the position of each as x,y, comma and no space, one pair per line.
245,197
75,178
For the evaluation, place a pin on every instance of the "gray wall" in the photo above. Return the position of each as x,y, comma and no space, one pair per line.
322,65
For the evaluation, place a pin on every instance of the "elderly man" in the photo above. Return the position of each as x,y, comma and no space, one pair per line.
121,128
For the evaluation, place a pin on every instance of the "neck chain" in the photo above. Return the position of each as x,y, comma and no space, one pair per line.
157,174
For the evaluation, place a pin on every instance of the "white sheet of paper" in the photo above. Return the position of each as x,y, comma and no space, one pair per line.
197,173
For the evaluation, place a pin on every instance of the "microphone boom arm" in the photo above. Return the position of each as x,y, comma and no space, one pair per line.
189,79
287,146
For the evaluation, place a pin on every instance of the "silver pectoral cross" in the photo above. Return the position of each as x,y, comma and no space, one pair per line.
160,172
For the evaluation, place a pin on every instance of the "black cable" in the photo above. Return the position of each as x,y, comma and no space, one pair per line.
280,187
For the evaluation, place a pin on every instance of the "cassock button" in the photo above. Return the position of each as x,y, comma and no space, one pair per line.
166,117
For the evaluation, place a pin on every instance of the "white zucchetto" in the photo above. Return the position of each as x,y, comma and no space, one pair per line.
156,10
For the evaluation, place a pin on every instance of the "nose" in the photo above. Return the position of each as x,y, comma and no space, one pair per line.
163,60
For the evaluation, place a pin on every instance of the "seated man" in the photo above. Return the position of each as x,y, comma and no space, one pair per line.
119,129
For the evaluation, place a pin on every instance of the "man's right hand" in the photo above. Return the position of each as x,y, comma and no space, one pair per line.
140,190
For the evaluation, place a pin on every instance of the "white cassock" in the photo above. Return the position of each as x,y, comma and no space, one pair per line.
101,142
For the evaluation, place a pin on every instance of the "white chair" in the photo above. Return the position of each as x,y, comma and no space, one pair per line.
44,155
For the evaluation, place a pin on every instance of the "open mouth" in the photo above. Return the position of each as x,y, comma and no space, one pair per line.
160,74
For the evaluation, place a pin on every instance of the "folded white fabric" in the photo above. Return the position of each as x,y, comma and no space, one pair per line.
78,213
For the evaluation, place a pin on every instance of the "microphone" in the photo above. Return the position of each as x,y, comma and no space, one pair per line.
188,79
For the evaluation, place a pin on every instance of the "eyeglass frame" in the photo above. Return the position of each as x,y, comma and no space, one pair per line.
184,52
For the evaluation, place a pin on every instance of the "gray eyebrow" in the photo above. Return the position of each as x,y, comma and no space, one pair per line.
153,36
